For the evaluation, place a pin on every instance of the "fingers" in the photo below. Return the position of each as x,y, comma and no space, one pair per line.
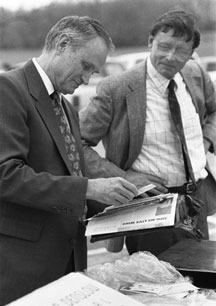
154,179
123,192
154,192
142,179
129,187
144,195
119,200
111,191
116,190
159,189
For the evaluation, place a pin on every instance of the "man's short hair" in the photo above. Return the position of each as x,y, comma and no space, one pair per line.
182,23
79,30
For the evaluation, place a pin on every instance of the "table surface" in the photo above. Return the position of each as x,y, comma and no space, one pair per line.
194,259
192,255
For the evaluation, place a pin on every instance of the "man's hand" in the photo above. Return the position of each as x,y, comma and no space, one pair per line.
113,191
142,179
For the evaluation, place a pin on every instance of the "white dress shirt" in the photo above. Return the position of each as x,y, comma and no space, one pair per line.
161,153
49,86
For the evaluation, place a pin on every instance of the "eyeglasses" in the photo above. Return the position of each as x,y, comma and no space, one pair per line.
181,55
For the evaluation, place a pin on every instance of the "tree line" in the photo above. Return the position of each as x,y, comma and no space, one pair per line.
127,21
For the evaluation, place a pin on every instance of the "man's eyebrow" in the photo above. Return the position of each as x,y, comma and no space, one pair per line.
93,67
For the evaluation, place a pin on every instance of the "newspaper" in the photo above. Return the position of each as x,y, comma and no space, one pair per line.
141,213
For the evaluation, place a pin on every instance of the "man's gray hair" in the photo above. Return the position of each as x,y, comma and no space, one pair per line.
79,31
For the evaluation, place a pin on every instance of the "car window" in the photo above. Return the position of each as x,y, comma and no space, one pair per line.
139,60
211,66
111,68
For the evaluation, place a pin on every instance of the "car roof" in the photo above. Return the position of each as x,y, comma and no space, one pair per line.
133,55
208,58
130,59
209,63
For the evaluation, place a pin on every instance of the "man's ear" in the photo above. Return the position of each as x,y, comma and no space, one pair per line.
62,43
150,41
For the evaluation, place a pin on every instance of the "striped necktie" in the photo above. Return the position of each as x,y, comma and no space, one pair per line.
69,140
176,116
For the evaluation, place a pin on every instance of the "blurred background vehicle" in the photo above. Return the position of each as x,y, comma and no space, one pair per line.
114,64
128,60
5,66
119,63
209,64
83,93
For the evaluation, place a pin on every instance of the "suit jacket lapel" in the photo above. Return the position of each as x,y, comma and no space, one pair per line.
189,81
44,107
136,106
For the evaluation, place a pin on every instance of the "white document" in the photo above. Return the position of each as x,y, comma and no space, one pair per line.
158,211
75,289
145,189
161,289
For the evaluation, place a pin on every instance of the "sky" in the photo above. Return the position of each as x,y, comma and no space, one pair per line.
24,4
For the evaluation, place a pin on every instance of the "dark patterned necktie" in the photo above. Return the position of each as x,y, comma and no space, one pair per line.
69,140
176,116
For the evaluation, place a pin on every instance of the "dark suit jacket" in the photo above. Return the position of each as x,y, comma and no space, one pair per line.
40,203
117,115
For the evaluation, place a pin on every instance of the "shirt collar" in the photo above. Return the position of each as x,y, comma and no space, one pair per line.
46,80
178,79
160,82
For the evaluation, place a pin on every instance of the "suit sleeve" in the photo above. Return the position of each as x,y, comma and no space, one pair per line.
204,98
209,127
95,120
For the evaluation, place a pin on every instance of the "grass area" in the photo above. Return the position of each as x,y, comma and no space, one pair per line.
14,56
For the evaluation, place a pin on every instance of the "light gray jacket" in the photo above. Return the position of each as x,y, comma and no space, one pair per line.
117,116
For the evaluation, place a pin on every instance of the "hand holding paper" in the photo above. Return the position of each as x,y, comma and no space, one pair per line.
114,190
143,179
144,189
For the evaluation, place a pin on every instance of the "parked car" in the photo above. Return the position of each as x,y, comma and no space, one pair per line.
82,95
209,63
114,64
5,66
128,60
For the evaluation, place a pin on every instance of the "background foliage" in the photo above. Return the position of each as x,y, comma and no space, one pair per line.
127,21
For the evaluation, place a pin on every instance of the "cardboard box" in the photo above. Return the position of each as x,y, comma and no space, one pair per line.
75,289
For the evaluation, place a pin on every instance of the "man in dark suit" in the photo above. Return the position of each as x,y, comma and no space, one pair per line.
43,188
132,116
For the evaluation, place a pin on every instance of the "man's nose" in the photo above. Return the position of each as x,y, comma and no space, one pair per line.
86,78
171,55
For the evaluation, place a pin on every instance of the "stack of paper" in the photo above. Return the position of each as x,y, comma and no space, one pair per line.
178,290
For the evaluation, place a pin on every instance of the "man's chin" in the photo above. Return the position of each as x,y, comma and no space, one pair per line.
167,74
71,91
